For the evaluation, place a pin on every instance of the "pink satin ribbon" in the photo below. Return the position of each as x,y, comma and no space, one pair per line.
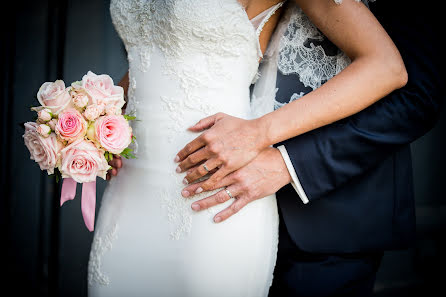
88,200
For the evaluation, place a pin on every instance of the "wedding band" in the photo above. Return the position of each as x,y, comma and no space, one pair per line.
205,168
229,193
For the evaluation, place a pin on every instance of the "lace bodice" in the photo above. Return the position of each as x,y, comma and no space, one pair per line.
184,27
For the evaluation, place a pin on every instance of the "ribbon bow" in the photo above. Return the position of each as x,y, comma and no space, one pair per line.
88,200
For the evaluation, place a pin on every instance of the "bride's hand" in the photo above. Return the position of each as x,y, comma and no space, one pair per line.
228,144
116,163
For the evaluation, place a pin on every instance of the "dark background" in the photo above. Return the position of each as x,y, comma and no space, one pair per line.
46,247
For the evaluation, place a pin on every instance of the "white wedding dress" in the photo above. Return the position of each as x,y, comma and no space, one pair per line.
188,59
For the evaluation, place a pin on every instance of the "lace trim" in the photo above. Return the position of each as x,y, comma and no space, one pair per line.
295,96
100,245
299,55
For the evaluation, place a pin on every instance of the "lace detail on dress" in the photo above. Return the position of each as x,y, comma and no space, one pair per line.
299,55
295,96
100,245
181,26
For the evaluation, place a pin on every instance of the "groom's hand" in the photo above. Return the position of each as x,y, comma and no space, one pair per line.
263,176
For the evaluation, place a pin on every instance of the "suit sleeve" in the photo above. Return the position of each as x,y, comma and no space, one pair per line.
329,157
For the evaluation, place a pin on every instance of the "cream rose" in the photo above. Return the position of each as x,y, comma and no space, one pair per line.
101,89
45,151
54,96
83,161
92,112
113,132
71,125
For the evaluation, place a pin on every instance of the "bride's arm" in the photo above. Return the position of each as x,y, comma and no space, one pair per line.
376,70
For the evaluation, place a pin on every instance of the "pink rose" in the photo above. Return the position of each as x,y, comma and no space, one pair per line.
92,112
113,132
83,161
71,125
101,89
54,96
45,151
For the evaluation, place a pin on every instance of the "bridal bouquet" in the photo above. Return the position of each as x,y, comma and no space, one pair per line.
76,132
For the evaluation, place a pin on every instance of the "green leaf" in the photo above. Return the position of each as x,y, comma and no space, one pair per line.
127,153
129,117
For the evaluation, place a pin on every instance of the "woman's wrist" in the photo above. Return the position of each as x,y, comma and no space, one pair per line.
262,124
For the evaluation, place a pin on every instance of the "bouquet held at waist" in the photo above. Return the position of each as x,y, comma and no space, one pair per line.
76,132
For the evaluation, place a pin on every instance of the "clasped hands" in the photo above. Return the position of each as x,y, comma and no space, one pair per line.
236,155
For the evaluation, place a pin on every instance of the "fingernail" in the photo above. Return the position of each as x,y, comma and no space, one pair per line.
199,190
195,207
217,219
178,169
185,193
185,181
176,159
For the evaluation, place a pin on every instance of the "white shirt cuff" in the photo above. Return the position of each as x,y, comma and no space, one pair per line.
295,180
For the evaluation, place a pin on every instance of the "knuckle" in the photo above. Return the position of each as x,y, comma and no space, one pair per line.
234,207
201,171
220,198
213,148
187,149
208,185
206,136
237,177
191,159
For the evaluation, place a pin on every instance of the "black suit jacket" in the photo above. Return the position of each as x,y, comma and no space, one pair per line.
357,172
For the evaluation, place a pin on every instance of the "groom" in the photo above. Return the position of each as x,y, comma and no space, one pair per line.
344,191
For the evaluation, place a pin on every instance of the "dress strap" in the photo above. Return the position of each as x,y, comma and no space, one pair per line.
262,18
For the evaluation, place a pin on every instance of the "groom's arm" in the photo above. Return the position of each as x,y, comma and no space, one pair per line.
326,158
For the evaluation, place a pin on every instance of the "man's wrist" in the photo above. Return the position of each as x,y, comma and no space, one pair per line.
282,169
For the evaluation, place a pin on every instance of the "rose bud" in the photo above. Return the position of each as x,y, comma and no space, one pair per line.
80,99
44,115
44,130
52,124
92,112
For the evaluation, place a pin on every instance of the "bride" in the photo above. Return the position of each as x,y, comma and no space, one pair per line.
188,59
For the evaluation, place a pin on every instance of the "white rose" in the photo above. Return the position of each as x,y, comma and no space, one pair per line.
45,151
54,96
